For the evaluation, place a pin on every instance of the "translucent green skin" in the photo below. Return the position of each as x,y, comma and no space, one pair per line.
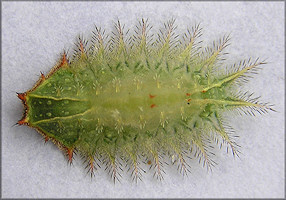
72,105
87,105
137,100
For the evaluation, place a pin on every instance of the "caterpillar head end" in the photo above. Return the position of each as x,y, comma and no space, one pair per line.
24,120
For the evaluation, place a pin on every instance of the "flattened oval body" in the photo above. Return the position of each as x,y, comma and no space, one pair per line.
123,101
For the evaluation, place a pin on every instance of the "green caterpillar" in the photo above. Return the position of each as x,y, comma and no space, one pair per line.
141,98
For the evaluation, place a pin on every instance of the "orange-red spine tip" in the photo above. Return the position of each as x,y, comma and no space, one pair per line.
43,76
70,154
22,122
64,60
22,96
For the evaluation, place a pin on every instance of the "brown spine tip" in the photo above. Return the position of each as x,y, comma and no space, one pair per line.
46,138
39,82
43,76
22,122
64,61
70,154
151,96
153,105
81,48
22,96
188,94
91,165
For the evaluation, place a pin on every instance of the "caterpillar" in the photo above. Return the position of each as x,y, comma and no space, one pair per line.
141,99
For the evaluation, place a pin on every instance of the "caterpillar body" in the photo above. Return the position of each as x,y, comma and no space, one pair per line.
122,98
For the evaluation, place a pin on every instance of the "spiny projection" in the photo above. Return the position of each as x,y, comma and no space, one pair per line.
141,98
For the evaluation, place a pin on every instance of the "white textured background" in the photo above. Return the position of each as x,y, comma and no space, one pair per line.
33,36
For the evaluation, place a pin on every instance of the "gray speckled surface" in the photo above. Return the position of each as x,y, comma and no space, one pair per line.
35,33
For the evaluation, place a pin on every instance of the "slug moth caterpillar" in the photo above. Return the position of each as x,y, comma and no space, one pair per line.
137,98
